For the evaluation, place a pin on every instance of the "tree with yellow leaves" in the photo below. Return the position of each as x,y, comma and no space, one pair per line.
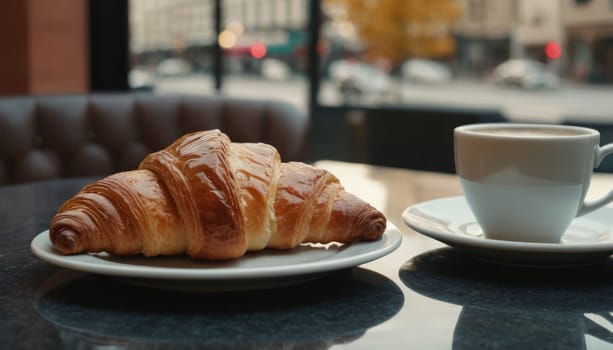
399,29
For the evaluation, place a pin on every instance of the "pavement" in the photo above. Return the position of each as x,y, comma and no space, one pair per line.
587,103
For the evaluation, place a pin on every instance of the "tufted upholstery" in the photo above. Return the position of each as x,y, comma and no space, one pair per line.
45,137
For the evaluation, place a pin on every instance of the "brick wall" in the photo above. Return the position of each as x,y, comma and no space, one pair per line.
43,47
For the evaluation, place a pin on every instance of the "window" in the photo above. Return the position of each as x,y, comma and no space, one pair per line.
464,54
263,45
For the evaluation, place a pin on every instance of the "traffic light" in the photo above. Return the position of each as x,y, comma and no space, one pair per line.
553,50
258,50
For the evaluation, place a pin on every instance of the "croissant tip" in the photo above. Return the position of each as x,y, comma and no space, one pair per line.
66,241
376,230
379,226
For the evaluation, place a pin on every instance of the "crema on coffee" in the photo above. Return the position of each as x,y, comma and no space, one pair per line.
527,131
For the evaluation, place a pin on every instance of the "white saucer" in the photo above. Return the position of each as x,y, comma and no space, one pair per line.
449,220
257,270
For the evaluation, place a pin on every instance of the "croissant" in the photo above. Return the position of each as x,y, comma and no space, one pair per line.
211,198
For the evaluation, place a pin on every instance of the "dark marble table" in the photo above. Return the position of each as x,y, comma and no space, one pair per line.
422,296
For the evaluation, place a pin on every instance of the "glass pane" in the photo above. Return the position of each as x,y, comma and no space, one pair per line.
171,44
264,44
545,61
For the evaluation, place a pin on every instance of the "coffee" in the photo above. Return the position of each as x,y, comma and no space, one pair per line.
527,131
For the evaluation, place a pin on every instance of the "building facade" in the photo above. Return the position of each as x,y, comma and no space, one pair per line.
164,24
588,26
483,35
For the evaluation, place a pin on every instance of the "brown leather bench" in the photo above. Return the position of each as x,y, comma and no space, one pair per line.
46,137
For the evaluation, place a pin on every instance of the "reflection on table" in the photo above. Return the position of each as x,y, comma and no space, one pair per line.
513,307
314,315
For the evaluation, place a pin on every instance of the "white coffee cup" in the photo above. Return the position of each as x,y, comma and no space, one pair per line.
527,182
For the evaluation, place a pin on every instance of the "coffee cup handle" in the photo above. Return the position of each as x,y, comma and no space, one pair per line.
586,207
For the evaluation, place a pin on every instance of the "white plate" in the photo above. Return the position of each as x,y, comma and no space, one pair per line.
255,270
449,220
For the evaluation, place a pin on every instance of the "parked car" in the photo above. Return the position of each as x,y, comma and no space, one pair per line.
275,69
425,71
140,79
525,73
355,78
173,67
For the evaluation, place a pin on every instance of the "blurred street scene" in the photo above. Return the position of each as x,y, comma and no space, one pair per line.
545,60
